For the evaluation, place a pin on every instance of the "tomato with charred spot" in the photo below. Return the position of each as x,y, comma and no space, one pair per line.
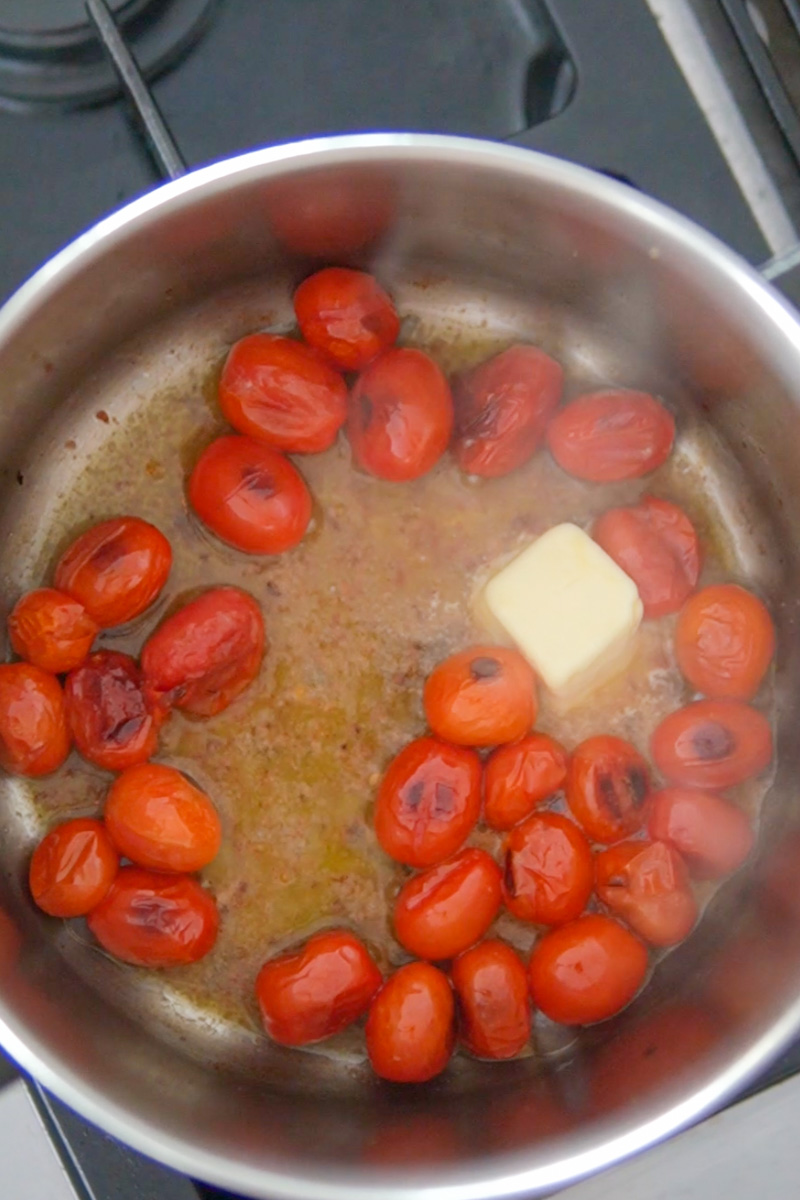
116,569
608,782
713,836
158,819
548,872
447,908
611,435
34,734
725,641
410,1028
521,775
72,868
481,697
112,723
494,1012
51,630
712,744
346,315
647,884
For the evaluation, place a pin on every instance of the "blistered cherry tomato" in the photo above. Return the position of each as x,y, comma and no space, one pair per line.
607,785
611,435
155,920
205,654
158,819
481,696
281,392
51,630
400,416
346,315
72,868
725,641
428,802
647,884
250,495
116,569
502,407
520,776
711,834
318,990
586,971
655,543
493,1005
712,744
447,908
548,873
111,721
410,1027
34,735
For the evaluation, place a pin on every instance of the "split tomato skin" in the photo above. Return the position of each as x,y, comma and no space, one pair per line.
713,836
158,819
411,1027
72,868
612,435
481,697
712,744
725,641
548,873
111,721
34,734
647,885
494,1014
519,776
347,316
116,569
449,907
608,782
51,630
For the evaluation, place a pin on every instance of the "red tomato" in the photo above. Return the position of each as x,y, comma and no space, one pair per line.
116,569
410,1027
51,630
712,744
611,435
493,1005
725,641
655,543
647,884
205,654
34,736
548,873
72,868
250,496
111,721
520,776
428,802
481,696
448,907
281,392
400,416
158,819
347,316
711,834
586,971
607,785
502,407
154,920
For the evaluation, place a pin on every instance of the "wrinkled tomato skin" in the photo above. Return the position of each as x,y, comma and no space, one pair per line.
34,734
347,316
494,1015
411,1028
72,868
725,641
647,885
449,907
608,782
116,569
713,836
502,407
608,436
158,819
520,776
481,697
311,993
428,802
548,873
712,744
51,630
110,719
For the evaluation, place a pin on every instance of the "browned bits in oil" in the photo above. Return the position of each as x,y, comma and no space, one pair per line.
484,668
70,444
154,469
712,741
103,416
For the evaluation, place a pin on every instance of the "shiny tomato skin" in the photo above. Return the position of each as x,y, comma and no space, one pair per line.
400,416
346,315
656,544
481,697
278,391
608,436
608,782
51,630
428,802
312,993
158,819
713,836
206,653
411,1028
154,920
725,641
647,885
586,971
116,569
72,868
712,744
519,776
548,873
34,734
449,907
111,721
494,1013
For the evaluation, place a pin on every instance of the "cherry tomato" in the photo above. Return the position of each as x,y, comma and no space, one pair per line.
481,696
318,990
428,802
712,744
520,776
502,407
448,907
72,868
347,316
34,735
116,569
158,819
725,641
250,496
400,416
111,721
607,785
611,435
155,920
51,630
586,971
548,873
493,1006
711,834
655,543
410,1027
205,654
281,392
647,884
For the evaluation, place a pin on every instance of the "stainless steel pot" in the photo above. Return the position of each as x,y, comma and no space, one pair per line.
623,289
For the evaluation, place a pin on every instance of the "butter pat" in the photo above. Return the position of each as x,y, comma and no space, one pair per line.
569,609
